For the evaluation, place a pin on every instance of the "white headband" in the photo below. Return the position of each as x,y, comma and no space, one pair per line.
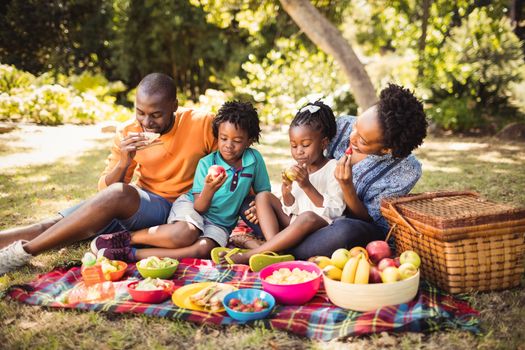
310,108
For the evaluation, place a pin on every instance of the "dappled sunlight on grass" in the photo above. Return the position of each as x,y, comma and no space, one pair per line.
33,193
491,168
34,145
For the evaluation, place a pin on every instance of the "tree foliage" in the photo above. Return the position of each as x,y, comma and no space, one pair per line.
461,57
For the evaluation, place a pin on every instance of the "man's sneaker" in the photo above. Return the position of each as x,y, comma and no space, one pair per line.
126,254
119,239
13,256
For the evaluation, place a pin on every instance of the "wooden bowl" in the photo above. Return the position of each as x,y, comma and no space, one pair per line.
366,297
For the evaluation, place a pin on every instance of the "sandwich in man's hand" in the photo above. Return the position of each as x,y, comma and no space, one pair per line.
151,139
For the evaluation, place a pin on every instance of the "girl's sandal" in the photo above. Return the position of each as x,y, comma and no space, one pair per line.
240,240
259,261
218,258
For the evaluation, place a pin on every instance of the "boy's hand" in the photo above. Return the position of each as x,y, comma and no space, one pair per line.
302,178
343,170
212,184
251,213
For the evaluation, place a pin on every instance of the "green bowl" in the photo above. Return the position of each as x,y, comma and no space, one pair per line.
163,273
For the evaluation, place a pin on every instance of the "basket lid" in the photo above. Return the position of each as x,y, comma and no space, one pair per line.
444,210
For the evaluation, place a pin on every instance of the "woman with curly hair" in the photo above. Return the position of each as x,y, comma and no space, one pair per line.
381,164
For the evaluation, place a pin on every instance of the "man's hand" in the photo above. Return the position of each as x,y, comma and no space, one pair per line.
251,213
130,144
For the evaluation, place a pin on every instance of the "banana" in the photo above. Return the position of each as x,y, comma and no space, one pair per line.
349,269
321,261
363,270
332,272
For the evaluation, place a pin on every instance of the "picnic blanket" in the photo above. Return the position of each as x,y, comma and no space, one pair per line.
431,310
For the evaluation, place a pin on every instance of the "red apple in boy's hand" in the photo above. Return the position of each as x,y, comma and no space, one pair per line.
386,262
378,250
216,170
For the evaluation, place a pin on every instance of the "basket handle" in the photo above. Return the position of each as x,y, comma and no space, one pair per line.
431,195
402,218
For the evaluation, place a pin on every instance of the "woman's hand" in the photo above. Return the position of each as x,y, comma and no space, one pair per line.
343,171
251,213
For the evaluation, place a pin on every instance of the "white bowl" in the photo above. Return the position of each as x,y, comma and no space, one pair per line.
366,297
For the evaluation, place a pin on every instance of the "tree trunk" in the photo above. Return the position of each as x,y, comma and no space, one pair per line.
327,37
423,38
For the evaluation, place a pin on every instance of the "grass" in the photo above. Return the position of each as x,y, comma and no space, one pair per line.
31,193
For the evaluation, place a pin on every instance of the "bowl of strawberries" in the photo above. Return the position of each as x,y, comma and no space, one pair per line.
248,304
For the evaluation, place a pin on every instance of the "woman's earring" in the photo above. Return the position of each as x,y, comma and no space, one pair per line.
325,152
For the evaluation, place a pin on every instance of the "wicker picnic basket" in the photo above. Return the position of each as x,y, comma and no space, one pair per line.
466,243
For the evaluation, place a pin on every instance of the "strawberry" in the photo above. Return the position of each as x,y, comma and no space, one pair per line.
349,150
234,302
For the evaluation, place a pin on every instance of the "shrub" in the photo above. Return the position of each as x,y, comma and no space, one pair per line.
474,73
48,100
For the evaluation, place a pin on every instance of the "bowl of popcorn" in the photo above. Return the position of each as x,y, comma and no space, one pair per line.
291,282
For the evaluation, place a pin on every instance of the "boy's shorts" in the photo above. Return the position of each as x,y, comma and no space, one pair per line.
182,210
153,210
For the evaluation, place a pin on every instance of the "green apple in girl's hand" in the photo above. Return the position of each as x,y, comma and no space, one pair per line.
290,174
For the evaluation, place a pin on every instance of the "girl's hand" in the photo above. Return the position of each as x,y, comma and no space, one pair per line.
343,170
251,213
213,184
286,185
302,178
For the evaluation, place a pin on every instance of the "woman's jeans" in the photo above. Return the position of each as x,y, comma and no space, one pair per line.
341,233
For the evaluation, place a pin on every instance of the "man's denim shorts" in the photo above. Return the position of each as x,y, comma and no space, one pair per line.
153,211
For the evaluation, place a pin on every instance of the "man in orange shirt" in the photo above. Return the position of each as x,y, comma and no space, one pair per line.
164,170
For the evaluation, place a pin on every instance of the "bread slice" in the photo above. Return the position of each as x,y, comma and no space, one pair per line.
150,136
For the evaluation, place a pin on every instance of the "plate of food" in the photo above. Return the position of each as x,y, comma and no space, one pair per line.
204,296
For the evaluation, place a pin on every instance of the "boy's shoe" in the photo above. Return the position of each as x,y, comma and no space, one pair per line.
126,254
119,239
13,256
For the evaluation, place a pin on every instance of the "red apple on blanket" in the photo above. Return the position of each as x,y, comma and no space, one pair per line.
216,170
386,262
378,250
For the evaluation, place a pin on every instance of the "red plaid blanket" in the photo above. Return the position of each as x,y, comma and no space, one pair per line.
319,319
